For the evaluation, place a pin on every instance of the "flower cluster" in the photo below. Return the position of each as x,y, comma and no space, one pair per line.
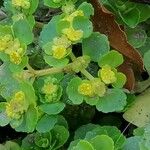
107,74
72,34
16,106
51,90
61,45
92,88
25,4
12,47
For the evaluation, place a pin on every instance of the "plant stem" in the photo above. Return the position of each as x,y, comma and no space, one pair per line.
48,71
83,71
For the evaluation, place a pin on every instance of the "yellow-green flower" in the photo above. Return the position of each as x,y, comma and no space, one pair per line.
76,13
5,42
98,87
73,35
16,106
59,51
15,57
107,75
85,88
63,41
49,88
25,4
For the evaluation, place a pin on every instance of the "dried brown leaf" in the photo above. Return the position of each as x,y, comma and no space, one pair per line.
104,22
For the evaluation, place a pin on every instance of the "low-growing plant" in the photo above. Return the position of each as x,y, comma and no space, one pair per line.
58,67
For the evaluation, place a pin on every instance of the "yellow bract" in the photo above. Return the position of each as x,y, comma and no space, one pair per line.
15,57
73,35
86,88
16,107
59,52
5,42
107,75
21,3
63,41
99,87
49,88
70,17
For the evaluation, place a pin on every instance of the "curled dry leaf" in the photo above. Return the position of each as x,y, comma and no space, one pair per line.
104,22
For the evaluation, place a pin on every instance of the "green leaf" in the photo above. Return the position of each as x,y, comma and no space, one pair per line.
49,31
80,133
112,58
114,100
136,37
95,46
87,8
91,100
50,60
146,47
132,143
29,91
18,68
7,83
143,11
4,120
29,121
22,30
52,109
46,123
52,4
61,135
33,7
110,131
42,140
131,18
139,114
62,24
121,80
72,91
83,23
5,29
31,118
12,146
83,145
147,61
102,142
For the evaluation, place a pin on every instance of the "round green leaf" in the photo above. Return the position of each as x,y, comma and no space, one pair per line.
22,30
131,18
50,60
4,120
72,91
87,8
49,31
84,24
114,100
136,37
121,80
102,142
61,135
83,145
46,123
52,109
112,58
95,46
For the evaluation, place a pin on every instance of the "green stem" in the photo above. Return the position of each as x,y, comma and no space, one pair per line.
83,71
87,74
48,71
